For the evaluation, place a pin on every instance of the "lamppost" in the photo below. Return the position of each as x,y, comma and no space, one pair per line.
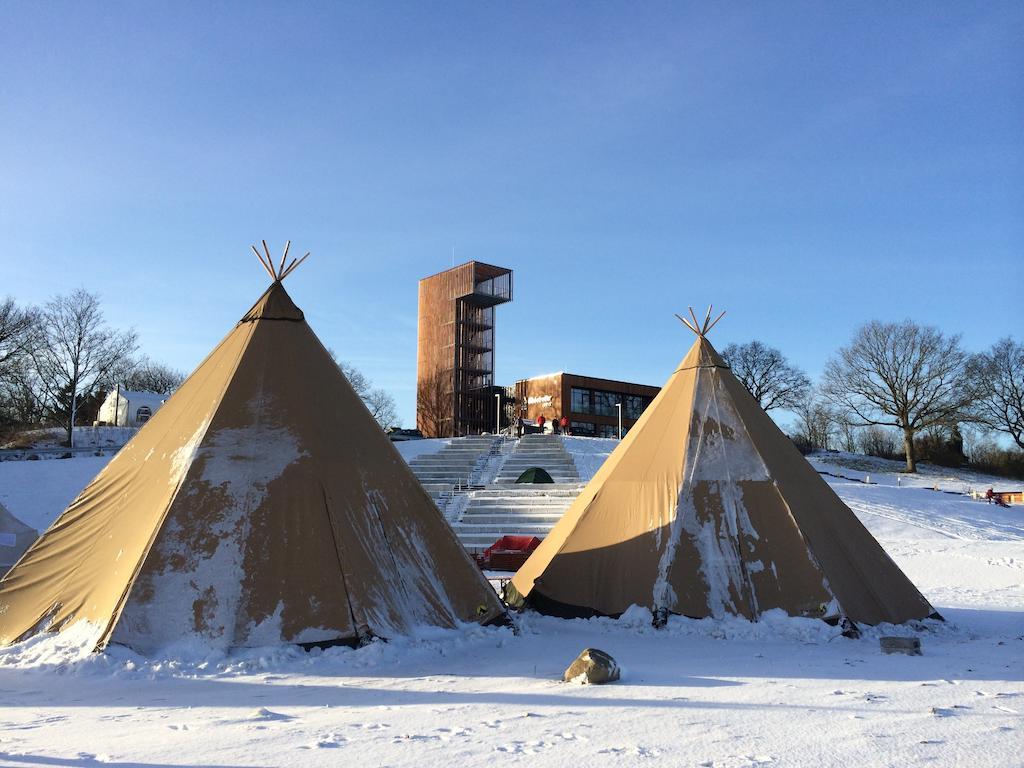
497,413
619,407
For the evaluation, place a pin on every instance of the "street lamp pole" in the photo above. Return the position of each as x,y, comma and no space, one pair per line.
619,407
497,413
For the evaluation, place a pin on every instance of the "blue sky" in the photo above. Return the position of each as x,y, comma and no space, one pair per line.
806,167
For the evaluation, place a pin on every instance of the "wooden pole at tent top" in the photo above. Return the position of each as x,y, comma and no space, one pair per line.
281,271
699,328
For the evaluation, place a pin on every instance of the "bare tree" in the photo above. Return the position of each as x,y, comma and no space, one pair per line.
816,422
378,402
72,353
17,395
21,400
847,435
147,376
901,375
879,441
382,407
767,375
998,377
434,405
16,328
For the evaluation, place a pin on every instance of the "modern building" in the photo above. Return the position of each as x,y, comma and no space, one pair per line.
590,404
455,392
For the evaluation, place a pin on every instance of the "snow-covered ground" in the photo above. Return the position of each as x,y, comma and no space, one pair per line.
85,437
781,692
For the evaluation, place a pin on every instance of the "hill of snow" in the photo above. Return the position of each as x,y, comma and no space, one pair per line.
780,692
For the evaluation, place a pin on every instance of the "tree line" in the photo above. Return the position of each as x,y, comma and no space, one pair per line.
898,389
58,361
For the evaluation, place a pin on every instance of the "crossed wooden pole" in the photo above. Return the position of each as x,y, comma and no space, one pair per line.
281,272
701,329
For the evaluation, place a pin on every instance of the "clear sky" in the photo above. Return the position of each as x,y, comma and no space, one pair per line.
805,166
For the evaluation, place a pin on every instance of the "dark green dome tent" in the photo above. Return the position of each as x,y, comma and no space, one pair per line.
535,475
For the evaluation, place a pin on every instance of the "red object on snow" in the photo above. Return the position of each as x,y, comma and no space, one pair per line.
509,552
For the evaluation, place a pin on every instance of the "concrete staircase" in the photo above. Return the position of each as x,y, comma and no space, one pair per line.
452,467
473,482
545,451
526,510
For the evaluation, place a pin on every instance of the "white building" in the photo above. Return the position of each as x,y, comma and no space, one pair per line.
123,408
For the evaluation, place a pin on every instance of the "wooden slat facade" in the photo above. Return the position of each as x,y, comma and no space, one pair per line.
455,348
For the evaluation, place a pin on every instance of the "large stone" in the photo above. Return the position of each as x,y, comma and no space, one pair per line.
911,646
593,666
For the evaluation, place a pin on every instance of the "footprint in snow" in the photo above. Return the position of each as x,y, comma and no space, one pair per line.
90,757
646,752
331,741
267,715
370,726
569,736
956,709
524,747
414,737
447,734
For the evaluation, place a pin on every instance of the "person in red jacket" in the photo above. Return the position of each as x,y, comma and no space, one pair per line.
565,425
540,423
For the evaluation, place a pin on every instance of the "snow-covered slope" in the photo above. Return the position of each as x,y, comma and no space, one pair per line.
782,692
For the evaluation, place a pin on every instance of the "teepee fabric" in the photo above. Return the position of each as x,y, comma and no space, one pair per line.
261,504
707,509
15,538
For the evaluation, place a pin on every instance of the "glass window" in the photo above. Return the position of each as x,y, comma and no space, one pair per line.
633,406
582,428
604,403
142,414
580,401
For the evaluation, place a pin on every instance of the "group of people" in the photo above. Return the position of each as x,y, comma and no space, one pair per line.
558,426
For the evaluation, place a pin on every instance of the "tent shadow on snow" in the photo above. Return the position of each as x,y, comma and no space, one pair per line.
248,696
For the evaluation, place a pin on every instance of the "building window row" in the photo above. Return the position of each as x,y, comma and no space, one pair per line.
589,429
598,402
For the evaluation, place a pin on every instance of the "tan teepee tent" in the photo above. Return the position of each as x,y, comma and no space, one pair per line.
706,509
261,504
15,538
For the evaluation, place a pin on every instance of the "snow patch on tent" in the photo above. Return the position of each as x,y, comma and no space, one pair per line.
415,579
198,588
720,456
182,457
74,642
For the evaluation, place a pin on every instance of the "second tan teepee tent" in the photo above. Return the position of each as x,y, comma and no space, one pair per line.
261,504
707,509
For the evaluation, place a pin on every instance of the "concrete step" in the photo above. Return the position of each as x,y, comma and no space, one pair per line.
499,522
531,489
494,533
552,462
513,511
558,477
524,502
444,460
